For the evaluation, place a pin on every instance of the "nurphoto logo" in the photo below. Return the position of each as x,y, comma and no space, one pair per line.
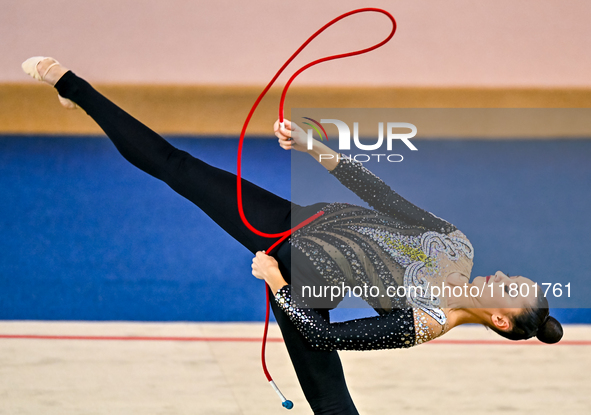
392,133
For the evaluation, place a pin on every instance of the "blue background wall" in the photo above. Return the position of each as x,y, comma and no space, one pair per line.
86,236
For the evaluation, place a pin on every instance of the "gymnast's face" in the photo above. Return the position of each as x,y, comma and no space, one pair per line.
507,294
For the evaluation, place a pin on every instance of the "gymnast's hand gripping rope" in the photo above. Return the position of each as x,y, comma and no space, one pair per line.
284,235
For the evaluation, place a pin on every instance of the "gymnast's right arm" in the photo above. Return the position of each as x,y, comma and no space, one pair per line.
293,137
361,181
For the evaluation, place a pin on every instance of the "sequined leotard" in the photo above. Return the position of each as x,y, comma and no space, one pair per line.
395,245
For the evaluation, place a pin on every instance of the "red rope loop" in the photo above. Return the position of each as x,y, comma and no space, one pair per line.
281,104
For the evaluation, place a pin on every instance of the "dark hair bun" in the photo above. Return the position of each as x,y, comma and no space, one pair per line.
550,332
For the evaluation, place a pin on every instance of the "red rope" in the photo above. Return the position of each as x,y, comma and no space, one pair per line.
281,104
264,344
284,235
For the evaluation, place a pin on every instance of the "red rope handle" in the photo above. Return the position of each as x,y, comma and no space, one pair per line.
264,345
284,235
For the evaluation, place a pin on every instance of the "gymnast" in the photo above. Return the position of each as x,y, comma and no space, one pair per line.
394,245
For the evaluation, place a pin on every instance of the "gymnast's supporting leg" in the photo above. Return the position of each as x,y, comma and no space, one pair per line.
214,191
320,373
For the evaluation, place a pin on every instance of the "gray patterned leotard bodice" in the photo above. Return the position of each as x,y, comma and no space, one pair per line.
396,244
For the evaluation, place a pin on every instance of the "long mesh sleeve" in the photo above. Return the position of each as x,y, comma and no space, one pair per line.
390,331
381,197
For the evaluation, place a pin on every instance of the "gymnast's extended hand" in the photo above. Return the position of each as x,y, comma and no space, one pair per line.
265,267
293,137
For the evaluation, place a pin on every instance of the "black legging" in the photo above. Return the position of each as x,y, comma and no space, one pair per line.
214,191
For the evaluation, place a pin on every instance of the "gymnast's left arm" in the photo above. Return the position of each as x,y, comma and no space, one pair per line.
390,331
265,267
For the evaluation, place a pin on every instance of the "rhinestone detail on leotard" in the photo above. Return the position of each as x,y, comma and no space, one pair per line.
391,331
396,244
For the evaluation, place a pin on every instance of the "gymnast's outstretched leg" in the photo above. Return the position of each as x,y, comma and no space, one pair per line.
214,191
